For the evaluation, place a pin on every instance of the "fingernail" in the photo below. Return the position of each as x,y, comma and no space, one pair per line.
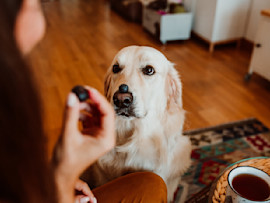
93,200
84,200
71,100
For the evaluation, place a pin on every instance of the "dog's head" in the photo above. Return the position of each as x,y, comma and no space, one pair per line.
141,81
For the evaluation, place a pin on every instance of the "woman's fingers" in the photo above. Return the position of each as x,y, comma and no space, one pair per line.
83,188
85,194
82,199
72,114
83,144
106,132
105,109
85,106
100,108
101,102
85,199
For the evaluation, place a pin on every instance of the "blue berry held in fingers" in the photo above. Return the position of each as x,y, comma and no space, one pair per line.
81,93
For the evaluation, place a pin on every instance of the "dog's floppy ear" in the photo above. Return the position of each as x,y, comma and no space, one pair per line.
107,85
174,87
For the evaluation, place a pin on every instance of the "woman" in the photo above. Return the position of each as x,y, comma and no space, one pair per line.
26,174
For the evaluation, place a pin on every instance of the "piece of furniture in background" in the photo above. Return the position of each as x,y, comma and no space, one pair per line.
260,60
166,27
254,18
130,10
219,21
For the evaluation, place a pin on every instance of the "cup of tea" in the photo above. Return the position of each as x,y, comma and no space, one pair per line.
248,184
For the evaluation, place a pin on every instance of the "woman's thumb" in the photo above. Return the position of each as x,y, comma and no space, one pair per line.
72,113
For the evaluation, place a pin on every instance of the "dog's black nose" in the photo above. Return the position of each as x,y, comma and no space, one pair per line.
122,100
123,88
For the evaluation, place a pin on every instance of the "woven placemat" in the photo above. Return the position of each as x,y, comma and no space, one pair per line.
219,193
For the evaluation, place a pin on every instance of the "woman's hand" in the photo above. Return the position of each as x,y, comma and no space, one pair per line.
77,149
83,193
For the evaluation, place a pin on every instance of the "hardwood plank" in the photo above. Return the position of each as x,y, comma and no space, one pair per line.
84,35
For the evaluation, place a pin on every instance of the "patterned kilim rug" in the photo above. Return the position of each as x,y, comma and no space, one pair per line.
217,147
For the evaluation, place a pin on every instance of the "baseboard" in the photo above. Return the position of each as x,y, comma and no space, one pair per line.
242,43
246,44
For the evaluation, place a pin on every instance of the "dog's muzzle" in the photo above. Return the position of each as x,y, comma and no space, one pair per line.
123,100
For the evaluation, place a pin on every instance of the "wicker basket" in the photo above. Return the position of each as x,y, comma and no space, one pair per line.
218,193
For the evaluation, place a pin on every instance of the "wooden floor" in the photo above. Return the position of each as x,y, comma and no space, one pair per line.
84,35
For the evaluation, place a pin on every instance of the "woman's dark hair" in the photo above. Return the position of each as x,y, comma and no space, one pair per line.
24,168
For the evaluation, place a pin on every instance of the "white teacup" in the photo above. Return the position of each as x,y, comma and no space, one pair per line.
242,173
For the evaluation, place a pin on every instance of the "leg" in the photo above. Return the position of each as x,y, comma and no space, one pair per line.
238,43
211,47
135,187
249,74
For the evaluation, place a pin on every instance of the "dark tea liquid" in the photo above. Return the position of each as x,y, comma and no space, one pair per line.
251,187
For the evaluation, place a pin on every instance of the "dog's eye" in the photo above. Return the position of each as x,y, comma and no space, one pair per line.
116,68
148,70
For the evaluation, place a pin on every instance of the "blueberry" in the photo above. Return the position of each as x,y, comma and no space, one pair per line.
81,93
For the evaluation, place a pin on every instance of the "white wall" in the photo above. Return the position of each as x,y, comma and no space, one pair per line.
190,5
230,19
254,18
204,18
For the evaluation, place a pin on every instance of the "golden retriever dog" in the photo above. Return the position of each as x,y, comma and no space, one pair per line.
146,92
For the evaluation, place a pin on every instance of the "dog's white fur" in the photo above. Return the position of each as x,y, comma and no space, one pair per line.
152,139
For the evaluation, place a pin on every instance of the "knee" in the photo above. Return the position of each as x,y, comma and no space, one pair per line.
152,178
135,187
153,186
